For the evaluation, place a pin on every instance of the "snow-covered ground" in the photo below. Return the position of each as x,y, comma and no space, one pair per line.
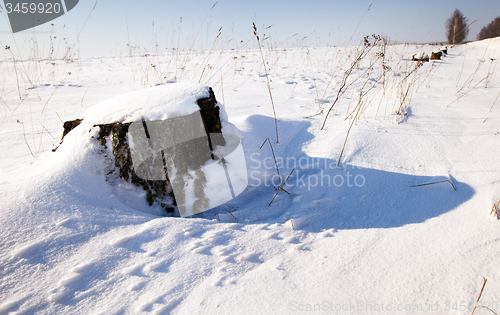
350,239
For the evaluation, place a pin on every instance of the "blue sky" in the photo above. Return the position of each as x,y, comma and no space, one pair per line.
113,24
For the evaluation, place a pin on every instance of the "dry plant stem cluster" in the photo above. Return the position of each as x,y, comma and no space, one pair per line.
31,72
358,110
471,78
368,44
398,82
406,88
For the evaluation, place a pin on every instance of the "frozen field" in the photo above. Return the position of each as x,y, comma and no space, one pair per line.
351,236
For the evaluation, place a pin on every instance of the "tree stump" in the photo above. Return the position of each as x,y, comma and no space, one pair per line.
422,57
196,151
436,55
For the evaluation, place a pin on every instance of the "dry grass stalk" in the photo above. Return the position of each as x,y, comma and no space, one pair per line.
267,78
26,141
354,119
471,78
312,74
47,130
62,122
404,106
486,307
494,210
291,222
385,70
186,59
280,188
495,101
463,65
479,297
467,92
274,157
15,69
324,98
53,92
210,53
358,110
229,211
490,74
443,181
222,88
85,94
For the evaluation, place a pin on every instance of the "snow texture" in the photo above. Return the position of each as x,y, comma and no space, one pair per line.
365,237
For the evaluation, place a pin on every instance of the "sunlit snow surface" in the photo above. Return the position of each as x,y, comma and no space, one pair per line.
350,239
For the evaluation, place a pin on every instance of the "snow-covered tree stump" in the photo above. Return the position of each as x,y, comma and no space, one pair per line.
116,135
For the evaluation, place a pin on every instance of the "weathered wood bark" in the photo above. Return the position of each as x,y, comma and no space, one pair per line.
436,55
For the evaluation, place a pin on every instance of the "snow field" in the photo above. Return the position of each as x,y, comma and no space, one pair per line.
74,244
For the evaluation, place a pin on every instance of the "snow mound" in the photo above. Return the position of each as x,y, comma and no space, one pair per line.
489,42
156,103
159,103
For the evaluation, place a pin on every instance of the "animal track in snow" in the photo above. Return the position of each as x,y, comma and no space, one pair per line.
193,232
291,239
251,257
81,268
326,233
65,222
131,269
149,304
27,249
122,240
223,250
208,241
136,286
154,265
272,235
68,280
7,307
57,296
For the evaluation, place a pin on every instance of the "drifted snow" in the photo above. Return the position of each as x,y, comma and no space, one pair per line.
157,103
72,244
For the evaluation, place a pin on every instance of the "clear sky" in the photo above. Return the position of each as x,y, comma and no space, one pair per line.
113,24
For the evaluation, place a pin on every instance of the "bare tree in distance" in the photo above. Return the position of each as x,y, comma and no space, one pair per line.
491,30
456,28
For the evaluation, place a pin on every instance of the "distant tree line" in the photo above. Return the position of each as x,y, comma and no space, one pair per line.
457,29
491,30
